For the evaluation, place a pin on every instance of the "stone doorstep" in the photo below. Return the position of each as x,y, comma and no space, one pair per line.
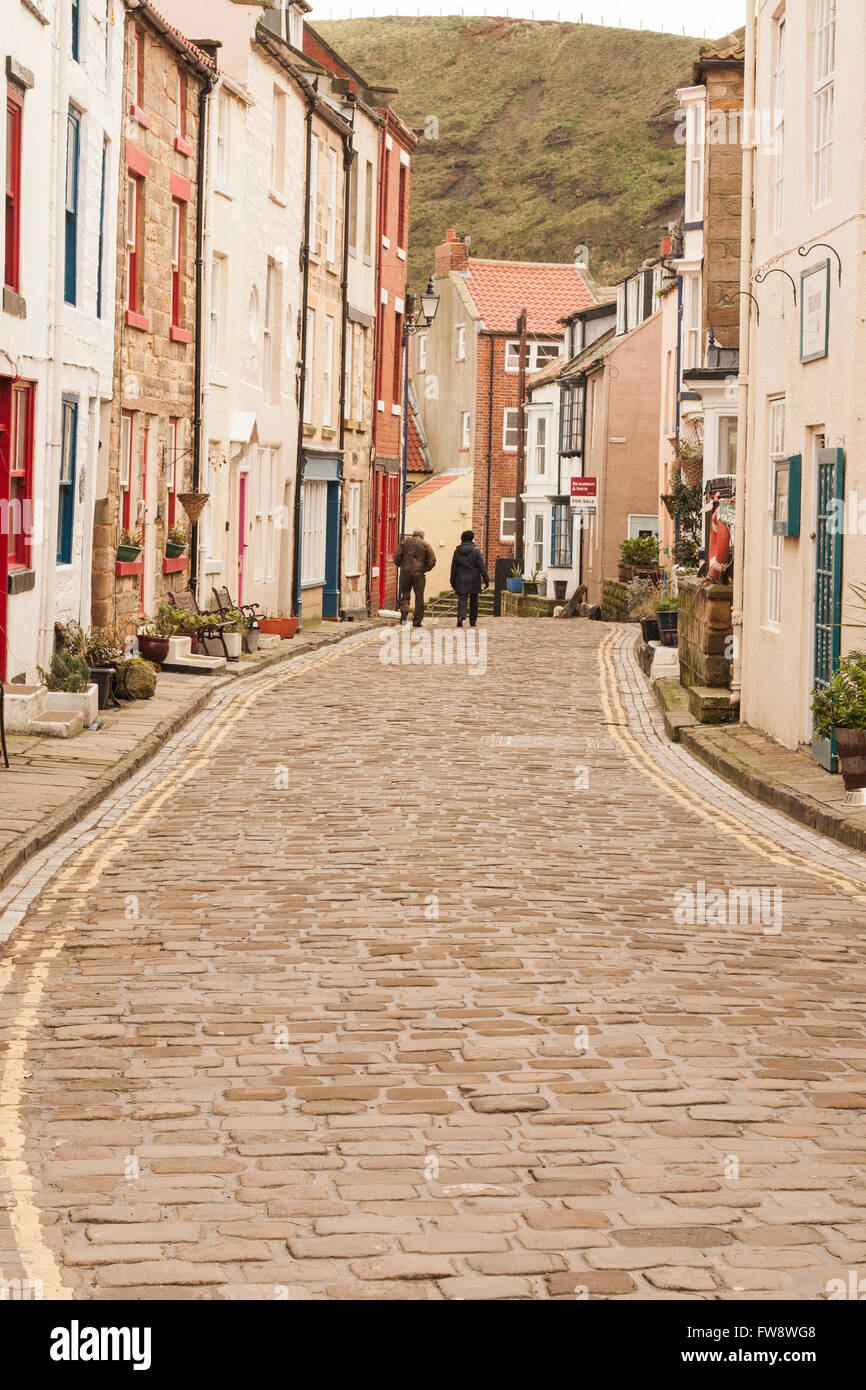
712,705
58,723
673,701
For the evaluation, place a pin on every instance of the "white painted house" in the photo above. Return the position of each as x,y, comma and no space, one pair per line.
63,69
806,461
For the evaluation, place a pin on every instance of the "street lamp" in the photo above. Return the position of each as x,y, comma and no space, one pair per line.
420,313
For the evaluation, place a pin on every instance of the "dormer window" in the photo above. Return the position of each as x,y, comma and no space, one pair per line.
296,27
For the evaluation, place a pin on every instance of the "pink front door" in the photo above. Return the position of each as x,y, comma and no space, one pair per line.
242,532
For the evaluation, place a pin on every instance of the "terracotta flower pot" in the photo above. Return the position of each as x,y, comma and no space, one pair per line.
283,627
851,747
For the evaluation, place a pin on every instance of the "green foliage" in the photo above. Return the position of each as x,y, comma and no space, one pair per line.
535,121
177,535
516,570
686,503
842,703
644,550
640,594
69,672
132,538
668,604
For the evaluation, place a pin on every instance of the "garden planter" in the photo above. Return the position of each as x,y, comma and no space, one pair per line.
560,589
153,649
668,622
251,639
128,552
174,552
530,586
234,644
851,747
85,701
514,585
105,679
650,629
283,627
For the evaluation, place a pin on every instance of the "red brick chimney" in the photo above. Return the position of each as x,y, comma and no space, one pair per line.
452,254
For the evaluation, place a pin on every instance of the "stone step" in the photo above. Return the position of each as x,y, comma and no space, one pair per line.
267,640
179,648
712,705
58,723
196,665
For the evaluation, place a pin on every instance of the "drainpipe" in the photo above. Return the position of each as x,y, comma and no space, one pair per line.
489,458
202,195
348,161
745,358
583,472
299,462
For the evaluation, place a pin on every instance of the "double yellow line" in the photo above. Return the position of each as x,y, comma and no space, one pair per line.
37,1258
642,761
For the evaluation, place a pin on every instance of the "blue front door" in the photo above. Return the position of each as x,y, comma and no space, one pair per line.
828,585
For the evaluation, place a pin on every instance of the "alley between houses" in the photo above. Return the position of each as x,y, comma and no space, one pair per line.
408,981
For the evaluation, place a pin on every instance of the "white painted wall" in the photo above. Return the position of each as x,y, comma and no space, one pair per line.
825,395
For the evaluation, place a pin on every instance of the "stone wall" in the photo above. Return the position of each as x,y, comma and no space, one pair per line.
614,602
704,631
527,605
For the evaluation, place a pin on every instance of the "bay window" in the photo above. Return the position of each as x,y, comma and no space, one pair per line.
571,418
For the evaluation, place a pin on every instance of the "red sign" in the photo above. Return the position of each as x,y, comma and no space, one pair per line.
584,492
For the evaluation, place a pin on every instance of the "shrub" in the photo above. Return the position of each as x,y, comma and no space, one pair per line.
644,550
69,672
842,702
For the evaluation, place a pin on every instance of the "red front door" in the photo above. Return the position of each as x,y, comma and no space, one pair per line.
242,532
387,515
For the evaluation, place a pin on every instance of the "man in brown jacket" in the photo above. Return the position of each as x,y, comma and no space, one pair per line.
414,558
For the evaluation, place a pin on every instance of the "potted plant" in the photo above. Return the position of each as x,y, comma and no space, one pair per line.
130,545
667,617
283,627
642,596
231,635
514,582
534,584
103,650
638,556
839,710
153,639
176,542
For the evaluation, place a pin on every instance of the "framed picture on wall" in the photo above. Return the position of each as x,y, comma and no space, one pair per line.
815,312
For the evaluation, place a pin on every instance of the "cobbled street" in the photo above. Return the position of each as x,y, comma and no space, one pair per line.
419,982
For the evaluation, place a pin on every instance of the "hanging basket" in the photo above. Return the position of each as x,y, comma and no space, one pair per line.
193,504
692,469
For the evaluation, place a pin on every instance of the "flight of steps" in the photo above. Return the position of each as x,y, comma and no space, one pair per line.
31,709
445,606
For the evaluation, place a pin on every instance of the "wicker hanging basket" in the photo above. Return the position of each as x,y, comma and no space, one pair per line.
692,470
193,504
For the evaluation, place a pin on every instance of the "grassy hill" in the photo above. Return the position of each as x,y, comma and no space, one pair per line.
549,134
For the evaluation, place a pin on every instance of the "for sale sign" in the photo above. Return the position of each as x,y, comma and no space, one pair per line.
584,494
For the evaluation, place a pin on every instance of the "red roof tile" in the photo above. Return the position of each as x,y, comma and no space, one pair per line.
433,484
500,290
416,461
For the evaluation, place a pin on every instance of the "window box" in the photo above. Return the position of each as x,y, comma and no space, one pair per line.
125,568
140,116
178,335
135,320
174,564
128,552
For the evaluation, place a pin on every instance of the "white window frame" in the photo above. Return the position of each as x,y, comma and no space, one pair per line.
504,521
331,238
633,296
466,429
328,375
270,332
621,312
510,428
217,289
548,349
347,371
696,146
315,511
360,369
537,544
460,354
540,446
309,364
353,530
314,195
221,156
776,424
422,353
778,209
692,322
278,142
824,101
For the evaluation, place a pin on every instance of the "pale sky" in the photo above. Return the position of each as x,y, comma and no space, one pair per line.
697,17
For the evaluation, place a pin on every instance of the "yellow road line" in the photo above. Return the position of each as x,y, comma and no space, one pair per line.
39,1261
644,763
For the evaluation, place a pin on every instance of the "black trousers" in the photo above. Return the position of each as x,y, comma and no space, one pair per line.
472,601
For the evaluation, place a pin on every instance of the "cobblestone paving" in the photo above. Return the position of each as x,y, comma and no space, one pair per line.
408,982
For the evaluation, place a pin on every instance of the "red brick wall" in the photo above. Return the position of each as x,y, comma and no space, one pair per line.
503,466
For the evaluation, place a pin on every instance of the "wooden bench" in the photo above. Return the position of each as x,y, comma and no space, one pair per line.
214,628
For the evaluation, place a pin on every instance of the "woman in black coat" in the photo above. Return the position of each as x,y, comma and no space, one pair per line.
468,573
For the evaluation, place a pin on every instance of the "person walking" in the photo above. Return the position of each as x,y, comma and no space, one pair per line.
414,559
468,573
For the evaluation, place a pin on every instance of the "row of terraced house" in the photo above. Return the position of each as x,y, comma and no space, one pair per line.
204,246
